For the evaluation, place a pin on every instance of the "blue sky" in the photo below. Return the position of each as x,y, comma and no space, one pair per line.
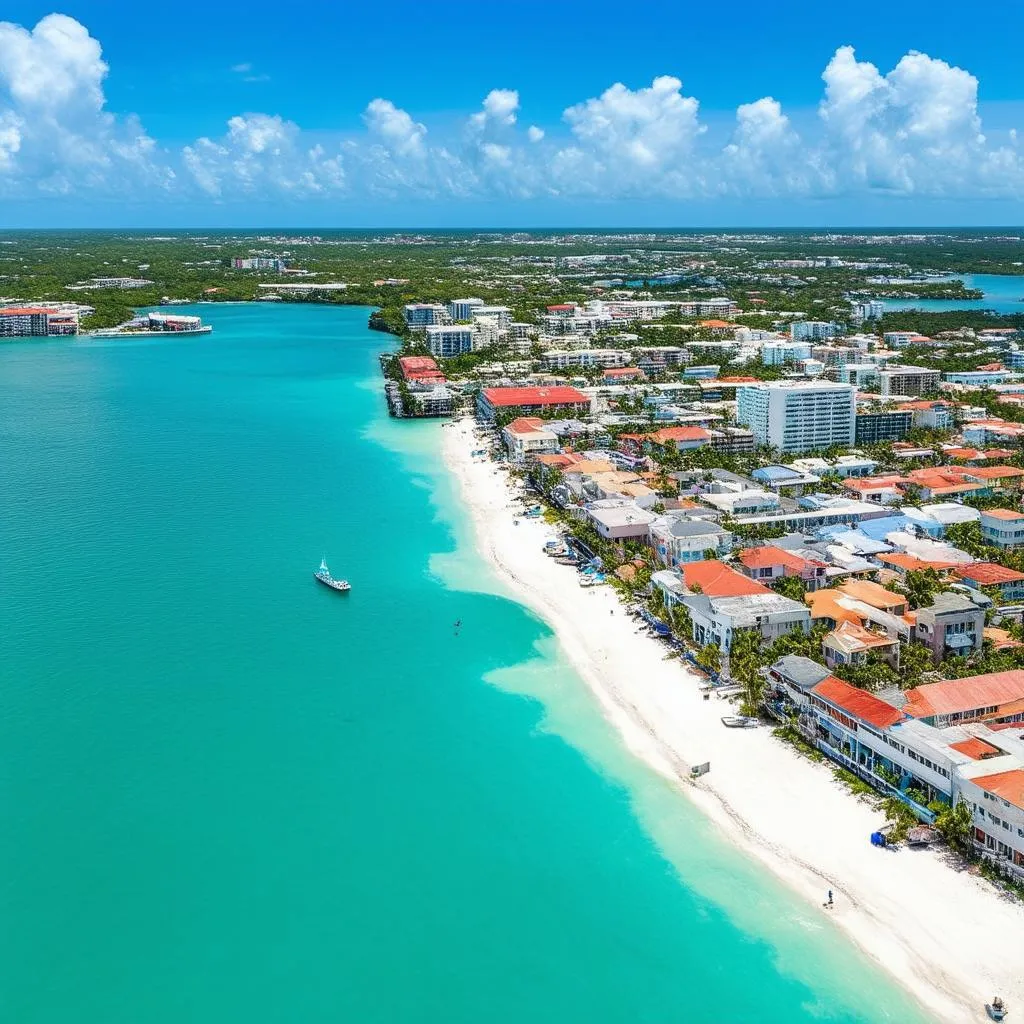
464,114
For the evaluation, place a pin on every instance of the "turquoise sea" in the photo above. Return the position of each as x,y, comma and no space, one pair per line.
229,794
1004,293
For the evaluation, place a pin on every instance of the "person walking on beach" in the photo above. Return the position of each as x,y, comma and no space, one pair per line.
830,902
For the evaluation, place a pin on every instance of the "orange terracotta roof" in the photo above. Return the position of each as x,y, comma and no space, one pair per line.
909,563
556,460
509,398
858,703
1000,638
525,425
976,749
768,555
680,434
824,604
994,472
1006,785
996,689
716,579
988,573
1003,513
851,634
716,323
872,594
921,404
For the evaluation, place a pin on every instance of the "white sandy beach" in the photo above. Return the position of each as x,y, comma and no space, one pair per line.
945,934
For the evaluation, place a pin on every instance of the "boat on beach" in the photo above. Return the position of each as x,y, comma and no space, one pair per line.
996,1009
323,575
738,721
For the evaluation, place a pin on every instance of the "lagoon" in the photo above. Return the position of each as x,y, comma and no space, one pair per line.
1004,293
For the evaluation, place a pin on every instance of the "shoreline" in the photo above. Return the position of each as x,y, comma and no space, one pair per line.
944,935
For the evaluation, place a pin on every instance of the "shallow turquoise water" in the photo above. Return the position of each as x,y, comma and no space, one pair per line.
1004,293
231,795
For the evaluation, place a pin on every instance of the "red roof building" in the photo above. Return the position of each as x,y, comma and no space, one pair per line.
769,562
997,696
529,400
421,368
851,706
715,579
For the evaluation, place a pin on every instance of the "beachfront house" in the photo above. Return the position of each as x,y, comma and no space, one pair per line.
677,539
526,437
794,676
994,698
993,787
716,620
618,520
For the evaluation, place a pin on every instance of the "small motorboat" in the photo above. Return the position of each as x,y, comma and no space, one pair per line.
997,1009
738,721
323,575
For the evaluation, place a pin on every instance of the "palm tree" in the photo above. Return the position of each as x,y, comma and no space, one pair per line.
709,657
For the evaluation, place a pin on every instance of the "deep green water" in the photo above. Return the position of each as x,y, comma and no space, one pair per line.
230,795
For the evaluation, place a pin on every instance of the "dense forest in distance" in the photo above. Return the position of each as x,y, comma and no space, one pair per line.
524,270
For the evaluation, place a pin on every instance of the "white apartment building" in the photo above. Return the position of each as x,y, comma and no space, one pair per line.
606,358
778,353
803,330
869,309
419,315
462,309
861,375
798,416
445,342
502,314
487,331
907,380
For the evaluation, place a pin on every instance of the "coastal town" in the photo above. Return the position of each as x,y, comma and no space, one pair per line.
766,490
830,534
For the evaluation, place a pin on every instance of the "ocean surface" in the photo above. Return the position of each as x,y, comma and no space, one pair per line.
229,794
1004,293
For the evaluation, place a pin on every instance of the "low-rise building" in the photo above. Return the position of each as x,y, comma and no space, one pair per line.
717,620
851,644
677,539
526,437
563,400
619,520
795,676
768,563
983,575
36,322
951,625
994,698
1002,527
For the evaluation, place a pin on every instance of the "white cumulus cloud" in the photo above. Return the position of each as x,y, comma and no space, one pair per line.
914,130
